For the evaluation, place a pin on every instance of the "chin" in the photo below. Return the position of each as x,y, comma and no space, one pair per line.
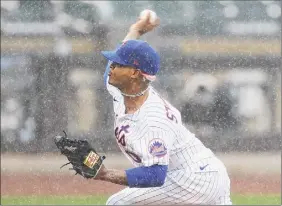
112,83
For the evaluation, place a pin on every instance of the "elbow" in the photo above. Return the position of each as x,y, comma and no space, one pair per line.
161,175
160,178
153,176
160,182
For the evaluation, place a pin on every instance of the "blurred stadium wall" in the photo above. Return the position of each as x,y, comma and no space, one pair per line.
220,67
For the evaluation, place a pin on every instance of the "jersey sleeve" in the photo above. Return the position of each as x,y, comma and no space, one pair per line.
154,147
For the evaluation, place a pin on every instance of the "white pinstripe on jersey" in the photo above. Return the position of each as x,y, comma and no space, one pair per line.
155,135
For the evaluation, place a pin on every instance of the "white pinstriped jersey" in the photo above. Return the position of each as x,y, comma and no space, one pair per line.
155,135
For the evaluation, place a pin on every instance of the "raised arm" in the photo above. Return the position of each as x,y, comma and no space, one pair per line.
141,27
136,30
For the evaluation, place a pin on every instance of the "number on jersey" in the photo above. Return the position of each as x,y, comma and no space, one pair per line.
120,134
170,114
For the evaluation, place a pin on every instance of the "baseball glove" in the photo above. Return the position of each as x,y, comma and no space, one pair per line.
83,158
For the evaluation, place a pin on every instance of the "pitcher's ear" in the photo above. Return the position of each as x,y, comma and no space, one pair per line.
136,74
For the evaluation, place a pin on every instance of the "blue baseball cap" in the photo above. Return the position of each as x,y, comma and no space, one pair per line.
138,54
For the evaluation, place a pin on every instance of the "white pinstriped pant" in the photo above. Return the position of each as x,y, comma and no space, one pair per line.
211,188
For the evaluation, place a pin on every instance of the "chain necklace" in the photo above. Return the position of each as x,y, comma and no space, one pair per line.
135,95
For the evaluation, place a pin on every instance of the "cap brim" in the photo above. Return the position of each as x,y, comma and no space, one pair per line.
112,56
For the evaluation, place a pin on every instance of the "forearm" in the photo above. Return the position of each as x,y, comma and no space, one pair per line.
114,176
140,177
132,35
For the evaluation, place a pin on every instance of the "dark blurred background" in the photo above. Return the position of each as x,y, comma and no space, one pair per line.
220,67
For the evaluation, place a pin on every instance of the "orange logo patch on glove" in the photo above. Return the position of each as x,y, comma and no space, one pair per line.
91,159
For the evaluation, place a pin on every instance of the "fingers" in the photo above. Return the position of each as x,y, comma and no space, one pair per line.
144,25
147,18
157,22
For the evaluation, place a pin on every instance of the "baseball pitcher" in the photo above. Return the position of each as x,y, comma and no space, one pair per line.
171,166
